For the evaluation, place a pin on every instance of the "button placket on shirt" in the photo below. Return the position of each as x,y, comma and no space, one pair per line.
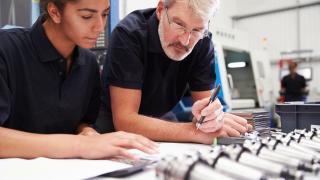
62,68
61,72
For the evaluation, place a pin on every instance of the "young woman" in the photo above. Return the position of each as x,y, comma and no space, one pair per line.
50,87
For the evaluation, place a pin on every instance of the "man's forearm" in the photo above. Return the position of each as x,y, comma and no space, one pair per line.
17,144
160,130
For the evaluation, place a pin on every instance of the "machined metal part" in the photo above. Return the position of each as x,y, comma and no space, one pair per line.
289,156
262,151
282,147
187,167
221,162
202,171
244,156
302,139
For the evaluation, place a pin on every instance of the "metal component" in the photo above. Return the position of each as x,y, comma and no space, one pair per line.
222,163
264,152
202,171
281,156
282,147
244,156
186,167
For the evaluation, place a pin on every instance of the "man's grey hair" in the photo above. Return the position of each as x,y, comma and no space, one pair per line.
203,8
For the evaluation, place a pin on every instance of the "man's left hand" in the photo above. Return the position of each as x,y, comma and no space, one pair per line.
234,125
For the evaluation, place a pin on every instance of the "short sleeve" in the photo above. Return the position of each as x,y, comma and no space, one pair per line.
4,92
203,73
123,66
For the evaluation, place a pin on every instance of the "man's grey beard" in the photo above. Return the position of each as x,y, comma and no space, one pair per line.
165,46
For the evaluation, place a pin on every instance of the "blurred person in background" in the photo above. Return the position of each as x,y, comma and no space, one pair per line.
293,85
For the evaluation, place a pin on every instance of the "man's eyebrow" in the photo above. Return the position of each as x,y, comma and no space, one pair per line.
200,28
178,20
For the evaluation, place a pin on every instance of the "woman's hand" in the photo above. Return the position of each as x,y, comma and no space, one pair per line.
114,145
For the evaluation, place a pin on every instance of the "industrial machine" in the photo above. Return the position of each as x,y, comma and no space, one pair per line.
244,71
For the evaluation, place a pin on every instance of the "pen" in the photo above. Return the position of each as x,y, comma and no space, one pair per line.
212,98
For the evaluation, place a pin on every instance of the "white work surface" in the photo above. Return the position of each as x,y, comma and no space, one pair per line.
44,168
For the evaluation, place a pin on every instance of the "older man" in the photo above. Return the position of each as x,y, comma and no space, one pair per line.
153,55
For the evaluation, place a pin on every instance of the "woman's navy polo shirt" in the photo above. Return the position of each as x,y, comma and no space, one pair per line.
136,60
36,95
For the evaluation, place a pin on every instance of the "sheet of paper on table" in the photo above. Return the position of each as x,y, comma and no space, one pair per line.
44,168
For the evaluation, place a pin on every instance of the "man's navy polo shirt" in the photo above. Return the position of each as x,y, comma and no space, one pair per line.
36,95
136,60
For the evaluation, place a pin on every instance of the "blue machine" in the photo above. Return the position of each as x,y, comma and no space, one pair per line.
35,10
182,110
218,81
114,15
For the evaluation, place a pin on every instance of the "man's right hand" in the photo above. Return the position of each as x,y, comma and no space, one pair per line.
214,116
114,145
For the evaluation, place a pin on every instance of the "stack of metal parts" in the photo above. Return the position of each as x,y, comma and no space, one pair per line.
295,155
260,121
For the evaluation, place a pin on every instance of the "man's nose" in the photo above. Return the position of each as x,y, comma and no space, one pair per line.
185,38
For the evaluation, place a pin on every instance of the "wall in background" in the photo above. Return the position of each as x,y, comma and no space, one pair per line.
226,10
285,31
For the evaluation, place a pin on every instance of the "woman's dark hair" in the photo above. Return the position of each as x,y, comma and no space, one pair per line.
59,3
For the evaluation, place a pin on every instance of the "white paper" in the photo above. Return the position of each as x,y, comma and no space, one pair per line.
44,168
